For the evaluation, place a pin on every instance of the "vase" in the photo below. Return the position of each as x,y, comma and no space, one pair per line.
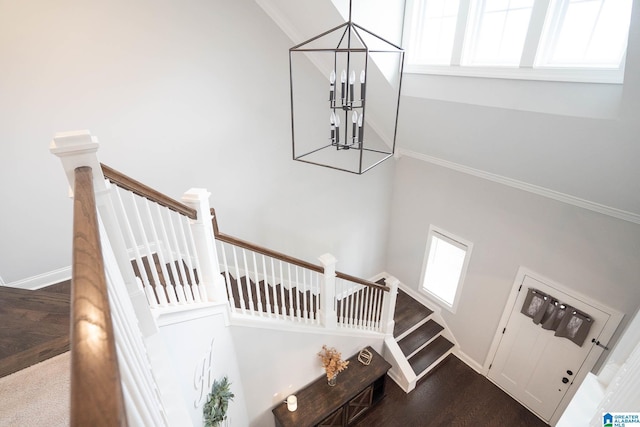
332,381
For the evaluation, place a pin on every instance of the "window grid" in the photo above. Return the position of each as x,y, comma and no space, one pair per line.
536,55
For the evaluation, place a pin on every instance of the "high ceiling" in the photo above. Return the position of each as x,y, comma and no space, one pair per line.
573,142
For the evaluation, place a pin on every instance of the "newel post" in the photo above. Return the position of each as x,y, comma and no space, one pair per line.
76,149
79,148
212,280
389,306
328,315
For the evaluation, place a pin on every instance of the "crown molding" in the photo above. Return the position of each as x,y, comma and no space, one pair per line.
541,191
280,19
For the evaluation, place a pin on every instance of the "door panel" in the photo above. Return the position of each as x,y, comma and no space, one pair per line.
531,363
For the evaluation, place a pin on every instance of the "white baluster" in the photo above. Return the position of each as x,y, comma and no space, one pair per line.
298,311
277,308
238,281
176,265
305,311
189,278
129,235
200,291
282,284
160,294
266,287
171,288
378,300
354,304
290,285
232,303
257,284
367,308
166,287
247,279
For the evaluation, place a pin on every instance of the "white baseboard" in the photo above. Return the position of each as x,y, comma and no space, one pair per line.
473,364
42,280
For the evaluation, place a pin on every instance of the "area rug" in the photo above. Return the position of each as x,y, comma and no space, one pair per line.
38,395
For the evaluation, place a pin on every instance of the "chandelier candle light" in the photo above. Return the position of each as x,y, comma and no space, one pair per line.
345,52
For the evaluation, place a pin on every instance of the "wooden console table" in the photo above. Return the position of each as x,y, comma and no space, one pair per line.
358,388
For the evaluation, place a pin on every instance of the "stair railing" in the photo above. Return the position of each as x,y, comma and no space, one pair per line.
112,379
265,283
262,283
165,243
178,253
96,392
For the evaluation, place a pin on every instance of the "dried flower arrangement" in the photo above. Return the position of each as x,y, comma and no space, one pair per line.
332,361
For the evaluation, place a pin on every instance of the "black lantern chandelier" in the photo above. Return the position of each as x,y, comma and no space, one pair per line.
349,122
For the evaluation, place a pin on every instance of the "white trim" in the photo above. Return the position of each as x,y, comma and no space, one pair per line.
606,334
183,313
42,280
401,371
280,19
546,73
457,241
540,191
472,363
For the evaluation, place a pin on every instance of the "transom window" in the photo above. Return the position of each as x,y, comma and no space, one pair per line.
445,265
567,40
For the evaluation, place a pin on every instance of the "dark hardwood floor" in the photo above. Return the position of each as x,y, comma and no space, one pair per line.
452,395
34,325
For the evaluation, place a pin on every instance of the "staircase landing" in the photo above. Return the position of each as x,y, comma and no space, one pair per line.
34,325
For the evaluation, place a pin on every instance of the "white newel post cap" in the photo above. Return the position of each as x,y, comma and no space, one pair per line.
76,149
198,199
328,260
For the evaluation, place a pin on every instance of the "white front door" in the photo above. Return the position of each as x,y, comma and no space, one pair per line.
536,367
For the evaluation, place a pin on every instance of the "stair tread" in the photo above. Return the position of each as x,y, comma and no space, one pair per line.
417,338
428,355
411,312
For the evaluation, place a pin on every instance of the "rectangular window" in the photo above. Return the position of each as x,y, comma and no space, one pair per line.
445,264
497,32
435,28
585,33
562,40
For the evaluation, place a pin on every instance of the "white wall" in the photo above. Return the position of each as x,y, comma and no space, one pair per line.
180,95
574,138
591,253
275,364
204,347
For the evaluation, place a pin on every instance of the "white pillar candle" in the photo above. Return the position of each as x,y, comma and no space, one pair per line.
292,403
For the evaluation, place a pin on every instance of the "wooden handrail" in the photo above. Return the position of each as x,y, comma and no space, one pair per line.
128,183
286,258
96,391
361,281
257,248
